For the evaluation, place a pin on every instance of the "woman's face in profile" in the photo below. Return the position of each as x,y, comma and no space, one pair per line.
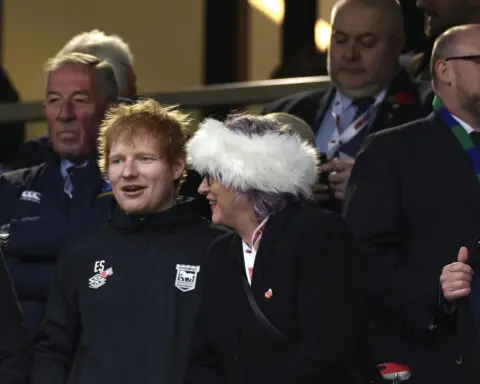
223,201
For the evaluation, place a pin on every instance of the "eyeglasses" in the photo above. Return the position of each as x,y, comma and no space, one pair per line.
467,58
208,178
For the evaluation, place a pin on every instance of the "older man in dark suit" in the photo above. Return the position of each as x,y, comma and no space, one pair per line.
414,200
369,91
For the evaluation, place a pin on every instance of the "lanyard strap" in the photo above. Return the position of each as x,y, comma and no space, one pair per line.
461,134
351,131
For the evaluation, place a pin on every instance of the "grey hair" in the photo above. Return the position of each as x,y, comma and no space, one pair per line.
249,124
110,48
392,8
103,69
300,126
264,203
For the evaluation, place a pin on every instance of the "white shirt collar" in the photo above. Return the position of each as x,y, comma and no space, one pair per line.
465,126
257,234
249,254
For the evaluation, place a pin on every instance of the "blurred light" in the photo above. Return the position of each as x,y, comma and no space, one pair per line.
273,9
323,31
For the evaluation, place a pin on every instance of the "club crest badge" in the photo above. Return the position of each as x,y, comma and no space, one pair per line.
186,278
34,197
101,275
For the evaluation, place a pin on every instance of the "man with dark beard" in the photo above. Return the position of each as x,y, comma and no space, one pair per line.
439,16
414,201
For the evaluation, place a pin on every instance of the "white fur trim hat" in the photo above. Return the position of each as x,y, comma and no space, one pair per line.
273,161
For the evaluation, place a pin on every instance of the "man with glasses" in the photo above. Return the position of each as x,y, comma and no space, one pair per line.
414,201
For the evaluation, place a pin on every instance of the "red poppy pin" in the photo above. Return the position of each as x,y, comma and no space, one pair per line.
269,294
403,98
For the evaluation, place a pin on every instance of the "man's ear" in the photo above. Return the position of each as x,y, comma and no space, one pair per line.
178,168
443,71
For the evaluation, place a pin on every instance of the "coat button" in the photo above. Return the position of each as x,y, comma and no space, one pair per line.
459,359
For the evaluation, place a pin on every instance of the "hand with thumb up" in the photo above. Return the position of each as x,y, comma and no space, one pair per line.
456,278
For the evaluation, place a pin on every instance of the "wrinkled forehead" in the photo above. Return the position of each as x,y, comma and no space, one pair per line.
356,19
72,79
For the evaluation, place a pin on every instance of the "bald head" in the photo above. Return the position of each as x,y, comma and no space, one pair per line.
456,72
457,41
367,39
391,11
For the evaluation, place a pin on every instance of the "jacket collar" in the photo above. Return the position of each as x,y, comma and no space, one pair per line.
401,94
268,243
183,212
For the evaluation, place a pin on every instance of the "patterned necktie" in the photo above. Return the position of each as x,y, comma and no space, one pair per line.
68,185
353,146
74,173
362,105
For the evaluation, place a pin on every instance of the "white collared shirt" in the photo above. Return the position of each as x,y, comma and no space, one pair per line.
328,127
465,126
249,254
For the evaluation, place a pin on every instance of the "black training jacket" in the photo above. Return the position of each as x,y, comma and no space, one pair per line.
124,300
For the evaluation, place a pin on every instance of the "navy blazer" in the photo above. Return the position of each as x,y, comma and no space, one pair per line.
402,104
413,201
42,219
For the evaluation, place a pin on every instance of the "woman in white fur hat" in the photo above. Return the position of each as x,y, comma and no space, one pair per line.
282,301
